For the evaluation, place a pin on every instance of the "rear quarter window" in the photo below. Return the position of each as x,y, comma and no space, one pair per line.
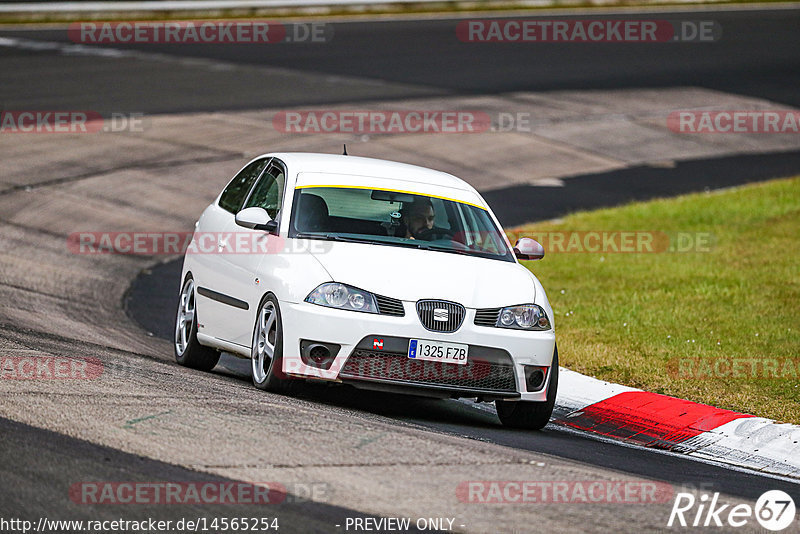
234,194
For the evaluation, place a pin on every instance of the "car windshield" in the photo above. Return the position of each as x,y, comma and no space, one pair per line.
396,218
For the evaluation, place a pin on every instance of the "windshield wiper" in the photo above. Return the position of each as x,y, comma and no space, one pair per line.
416,243
335,237
328,237
447,249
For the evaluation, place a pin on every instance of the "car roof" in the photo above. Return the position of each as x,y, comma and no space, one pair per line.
306,162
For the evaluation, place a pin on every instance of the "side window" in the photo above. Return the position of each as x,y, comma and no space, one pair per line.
268,194
233,196
485,238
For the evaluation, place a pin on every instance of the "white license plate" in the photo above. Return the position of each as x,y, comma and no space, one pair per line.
436,351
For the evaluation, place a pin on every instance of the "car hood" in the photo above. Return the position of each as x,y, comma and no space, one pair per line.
412,274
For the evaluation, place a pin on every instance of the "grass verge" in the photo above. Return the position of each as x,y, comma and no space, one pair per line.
717,324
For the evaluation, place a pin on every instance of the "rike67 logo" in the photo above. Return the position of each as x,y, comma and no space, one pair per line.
774,510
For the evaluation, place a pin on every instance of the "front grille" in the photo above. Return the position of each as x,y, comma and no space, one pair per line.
487,316
440,315
477,374
390,306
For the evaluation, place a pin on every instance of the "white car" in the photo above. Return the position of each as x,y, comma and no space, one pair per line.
371,273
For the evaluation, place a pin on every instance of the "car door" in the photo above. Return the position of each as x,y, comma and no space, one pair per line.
246,251
212,236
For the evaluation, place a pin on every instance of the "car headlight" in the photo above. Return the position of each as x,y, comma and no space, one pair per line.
343,297
524,317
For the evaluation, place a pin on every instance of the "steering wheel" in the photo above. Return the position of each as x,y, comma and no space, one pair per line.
435,234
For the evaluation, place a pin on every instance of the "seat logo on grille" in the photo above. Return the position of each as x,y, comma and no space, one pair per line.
440,314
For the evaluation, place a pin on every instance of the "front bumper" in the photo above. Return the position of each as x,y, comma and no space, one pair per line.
496,355
488,373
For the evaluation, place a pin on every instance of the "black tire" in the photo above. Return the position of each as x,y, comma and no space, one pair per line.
188,350
531,415
271,376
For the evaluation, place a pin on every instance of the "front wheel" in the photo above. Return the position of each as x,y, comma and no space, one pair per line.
266,352
189,351
531,415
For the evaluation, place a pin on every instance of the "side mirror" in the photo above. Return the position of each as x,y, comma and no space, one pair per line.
256,219
528,249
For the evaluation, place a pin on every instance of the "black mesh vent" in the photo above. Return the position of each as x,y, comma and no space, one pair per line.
390,306
440,315
487,316
475,375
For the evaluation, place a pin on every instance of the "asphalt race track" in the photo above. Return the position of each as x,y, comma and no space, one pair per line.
339,453
52,461
758,55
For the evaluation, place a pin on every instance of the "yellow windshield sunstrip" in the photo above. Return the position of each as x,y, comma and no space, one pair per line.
392,191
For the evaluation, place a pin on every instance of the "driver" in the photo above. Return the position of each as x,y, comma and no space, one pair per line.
418,217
